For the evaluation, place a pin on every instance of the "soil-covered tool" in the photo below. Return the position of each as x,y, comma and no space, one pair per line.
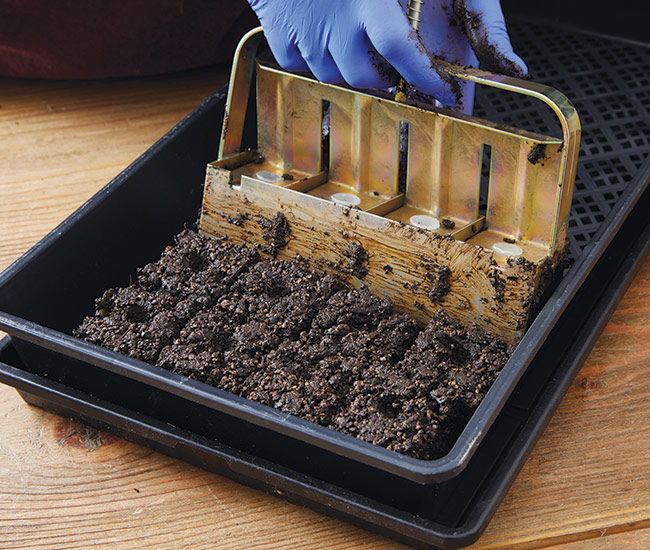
387,193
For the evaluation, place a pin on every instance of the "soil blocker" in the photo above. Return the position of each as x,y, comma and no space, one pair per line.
426,501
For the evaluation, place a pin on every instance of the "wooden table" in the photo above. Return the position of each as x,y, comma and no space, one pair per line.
64,485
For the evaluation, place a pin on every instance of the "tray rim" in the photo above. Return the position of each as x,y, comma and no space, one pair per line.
420,471
405,525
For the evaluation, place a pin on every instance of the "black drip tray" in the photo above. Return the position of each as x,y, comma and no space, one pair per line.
47,293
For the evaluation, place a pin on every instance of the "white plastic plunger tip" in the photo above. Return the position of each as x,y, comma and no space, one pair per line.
507,249
269,177
346,199
425,222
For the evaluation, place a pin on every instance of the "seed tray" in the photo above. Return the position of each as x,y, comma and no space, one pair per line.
47,292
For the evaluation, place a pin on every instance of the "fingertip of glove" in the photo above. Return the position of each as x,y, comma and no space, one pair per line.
520,65
503,62
448,97
513,65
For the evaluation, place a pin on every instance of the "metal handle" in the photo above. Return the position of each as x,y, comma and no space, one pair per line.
565,155
413,13
561,106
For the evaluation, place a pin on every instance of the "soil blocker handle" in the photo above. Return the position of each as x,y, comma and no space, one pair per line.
241,78
561,106
413,13
550,188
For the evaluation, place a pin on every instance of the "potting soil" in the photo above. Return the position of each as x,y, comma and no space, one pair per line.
285,335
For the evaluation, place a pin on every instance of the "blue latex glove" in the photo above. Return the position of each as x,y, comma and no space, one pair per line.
465,32
351,40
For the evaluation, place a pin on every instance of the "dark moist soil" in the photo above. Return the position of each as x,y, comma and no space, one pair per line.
437,277
537,154
282,334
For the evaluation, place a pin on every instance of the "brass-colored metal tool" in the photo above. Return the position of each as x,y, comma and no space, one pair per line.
407,225
413,14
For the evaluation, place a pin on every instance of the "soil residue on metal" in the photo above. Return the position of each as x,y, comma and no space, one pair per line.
275,232
537,153
282,334
437,279
224,128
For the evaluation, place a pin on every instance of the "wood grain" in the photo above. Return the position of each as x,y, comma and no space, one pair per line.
608,539
420,271
65,486
59,148
589,474
586,485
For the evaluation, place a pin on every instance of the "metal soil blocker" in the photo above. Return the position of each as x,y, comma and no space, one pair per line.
387,193
446,502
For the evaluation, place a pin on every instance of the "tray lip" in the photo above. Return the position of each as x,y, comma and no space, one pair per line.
240,407
324,494
402,522
419,471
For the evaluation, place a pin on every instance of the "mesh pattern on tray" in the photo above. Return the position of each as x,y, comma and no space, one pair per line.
608,81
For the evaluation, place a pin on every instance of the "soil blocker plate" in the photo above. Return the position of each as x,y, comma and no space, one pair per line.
447,503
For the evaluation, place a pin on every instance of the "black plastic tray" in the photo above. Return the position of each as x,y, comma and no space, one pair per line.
46,293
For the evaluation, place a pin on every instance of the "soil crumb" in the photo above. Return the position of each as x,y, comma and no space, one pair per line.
276,233
438,279
356,260
238,219
282,334
537,153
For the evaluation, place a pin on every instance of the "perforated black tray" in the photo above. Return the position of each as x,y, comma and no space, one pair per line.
609,235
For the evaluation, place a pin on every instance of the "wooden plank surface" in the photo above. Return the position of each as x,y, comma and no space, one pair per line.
62,485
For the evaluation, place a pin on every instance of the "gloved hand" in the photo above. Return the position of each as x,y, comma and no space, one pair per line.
348,40
465,32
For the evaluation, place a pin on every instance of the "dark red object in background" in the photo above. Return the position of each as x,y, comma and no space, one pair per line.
110,38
